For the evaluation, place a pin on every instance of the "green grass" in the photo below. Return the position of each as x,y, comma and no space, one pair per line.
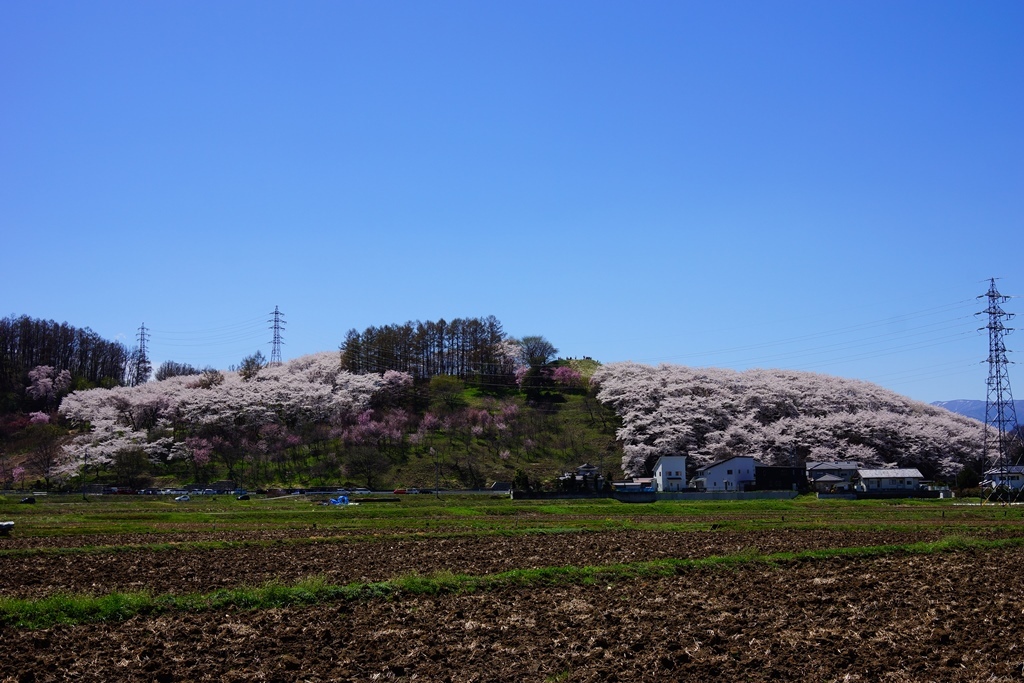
110,515
421,517
80,609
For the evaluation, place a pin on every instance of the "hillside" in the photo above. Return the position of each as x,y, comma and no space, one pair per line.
308,422
781,417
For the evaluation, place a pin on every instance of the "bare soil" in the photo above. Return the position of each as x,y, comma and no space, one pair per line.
174,570
956,616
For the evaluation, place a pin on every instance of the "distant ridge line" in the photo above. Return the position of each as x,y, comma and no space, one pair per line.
973,408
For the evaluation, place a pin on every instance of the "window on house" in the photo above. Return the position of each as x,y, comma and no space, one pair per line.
729,472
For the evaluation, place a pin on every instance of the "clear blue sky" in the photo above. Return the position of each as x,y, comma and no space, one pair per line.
812,185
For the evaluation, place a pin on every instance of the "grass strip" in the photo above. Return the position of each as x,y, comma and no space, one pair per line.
82,609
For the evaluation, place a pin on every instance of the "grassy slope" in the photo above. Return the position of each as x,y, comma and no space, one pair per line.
568,434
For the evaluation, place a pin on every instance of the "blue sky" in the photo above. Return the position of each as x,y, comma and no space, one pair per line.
821,186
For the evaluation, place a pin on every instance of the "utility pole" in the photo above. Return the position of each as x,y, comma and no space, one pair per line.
277,325
85,473
437,473
1000,414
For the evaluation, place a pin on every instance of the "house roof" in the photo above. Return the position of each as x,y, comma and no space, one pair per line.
732,457
812,465
907,473
1009,469
830,479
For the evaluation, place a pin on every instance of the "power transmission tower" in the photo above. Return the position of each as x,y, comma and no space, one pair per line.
142,366
277,325
1000,414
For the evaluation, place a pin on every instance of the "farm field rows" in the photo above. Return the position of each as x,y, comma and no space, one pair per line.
499,590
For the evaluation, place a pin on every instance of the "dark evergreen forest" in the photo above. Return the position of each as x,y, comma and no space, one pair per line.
26,343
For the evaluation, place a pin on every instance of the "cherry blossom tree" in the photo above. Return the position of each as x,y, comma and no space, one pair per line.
18,474
46,384
161,416
778,416
568,377
196,452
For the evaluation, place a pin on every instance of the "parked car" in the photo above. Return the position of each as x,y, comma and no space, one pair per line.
413,491
361,491
400,491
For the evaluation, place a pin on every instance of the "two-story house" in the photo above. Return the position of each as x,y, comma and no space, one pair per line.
670,473
732,474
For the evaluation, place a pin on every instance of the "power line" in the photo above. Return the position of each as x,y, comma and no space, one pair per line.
788,341
248,323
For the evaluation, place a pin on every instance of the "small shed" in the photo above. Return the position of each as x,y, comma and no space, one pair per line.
830,483
780,478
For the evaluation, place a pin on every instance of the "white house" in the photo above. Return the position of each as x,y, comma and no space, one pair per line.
888,481
732,474
670,473
1010,476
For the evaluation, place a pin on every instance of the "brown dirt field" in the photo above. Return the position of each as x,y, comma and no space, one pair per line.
201,571
955,616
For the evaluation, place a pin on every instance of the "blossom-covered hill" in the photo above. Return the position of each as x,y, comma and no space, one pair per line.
310,422
215,410
781,417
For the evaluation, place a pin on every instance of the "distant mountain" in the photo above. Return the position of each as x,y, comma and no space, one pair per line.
976,409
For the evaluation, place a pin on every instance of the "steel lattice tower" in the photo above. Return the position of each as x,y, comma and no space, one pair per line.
143,337
1000,414
277,325
142,368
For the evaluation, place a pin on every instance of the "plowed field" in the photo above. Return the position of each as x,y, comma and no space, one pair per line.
190,571
937,616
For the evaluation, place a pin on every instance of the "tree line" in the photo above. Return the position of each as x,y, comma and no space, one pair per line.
475,350
26,343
